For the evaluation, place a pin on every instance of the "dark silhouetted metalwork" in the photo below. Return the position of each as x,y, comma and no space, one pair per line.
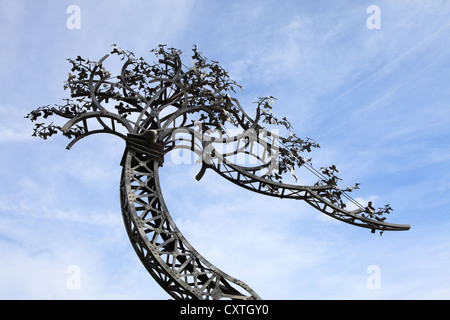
164,106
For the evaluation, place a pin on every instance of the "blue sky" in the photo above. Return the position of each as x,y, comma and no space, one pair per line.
376,100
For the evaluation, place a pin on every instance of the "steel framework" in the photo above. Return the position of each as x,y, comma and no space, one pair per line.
167,106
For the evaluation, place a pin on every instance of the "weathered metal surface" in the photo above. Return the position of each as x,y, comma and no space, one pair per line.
165,106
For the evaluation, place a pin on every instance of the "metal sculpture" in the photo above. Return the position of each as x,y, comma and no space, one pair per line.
166,106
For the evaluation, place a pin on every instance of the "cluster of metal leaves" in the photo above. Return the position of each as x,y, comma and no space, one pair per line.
203,89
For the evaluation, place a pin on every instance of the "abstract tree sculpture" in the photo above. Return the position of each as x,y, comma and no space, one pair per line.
165,106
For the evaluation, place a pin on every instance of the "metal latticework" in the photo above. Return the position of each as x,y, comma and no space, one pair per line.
166,107
163,250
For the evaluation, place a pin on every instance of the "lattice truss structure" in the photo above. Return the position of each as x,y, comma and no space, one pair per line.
168,107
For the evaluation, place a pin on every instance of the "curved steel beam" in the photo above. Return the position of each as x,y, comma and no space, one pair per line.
161,247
